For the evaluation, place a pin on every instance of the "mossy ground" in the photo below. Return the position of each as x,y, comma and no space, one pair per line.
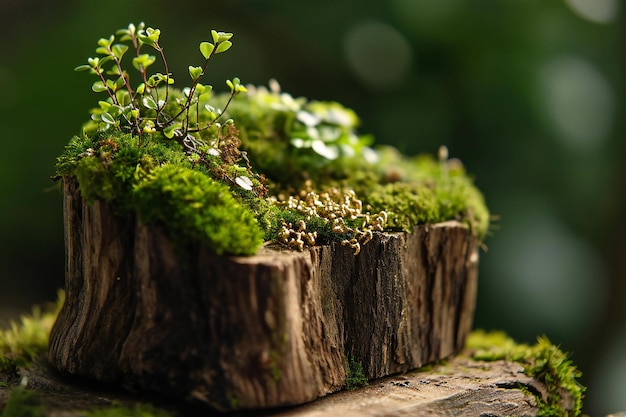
542,361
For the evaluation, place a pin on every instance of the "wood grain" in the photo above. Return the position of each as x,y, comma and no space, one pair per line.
269,330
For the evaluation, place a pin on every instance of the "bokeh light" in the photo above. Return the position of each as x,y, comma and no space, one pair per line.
599,11
579,102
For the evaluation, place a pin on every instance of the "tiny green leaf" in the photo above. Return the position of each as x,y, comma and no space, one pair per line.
119,83
206,49
150,36
119,50
114,70
149,102
83,67
107,118
223,47
205,90
143,61
105,60
103,50
123,97
222,36
195,72
106,42
215,36
98,87
111,84
170,131
104,105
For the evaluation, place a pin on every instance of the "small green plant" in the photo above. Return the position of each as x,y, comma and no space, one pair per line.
147,107
543,361
355,378
294,140
286,169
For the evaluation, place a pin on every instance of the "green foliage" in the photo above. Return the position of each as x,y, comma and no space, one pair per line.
146,106
295,142
160,151
23,402
543,361
355,378
199,208
292,140
157,180
23,342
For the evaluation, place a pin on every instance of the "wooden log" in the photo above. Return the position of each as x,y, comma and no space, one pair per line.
269,330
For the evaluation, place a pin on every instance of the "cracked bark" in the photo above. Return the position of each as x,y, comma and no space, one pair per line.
269,330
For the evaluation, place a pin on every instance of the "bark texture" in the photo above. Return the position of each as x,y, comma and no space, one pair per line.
251,332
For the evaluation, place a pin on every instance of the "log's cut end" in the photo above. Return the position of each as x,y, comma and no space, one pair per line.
269,330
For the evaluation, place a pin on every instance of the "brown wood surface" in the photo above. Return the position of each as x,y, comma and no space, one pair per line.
269,330
457,387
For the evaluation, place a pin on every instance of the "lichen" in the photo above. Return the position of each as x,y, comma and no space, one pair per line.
543,361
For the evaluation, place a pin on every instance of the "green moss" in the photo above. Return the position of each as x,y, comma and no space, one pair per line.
155,179
25,340
542,361
422,190
23,402
412,191
355,378
290,145
195,207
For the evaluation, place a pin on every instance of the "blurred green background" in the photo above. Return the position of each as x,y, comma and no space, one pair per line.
528,94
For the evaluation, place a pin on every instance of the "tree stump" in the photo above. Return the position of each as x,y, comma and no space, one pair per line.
269,330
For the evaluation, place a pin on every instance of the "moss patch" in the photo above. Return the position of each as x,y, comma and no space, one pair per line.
355,378
542,361
288,147
23,402
156,179
25,340
197,207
